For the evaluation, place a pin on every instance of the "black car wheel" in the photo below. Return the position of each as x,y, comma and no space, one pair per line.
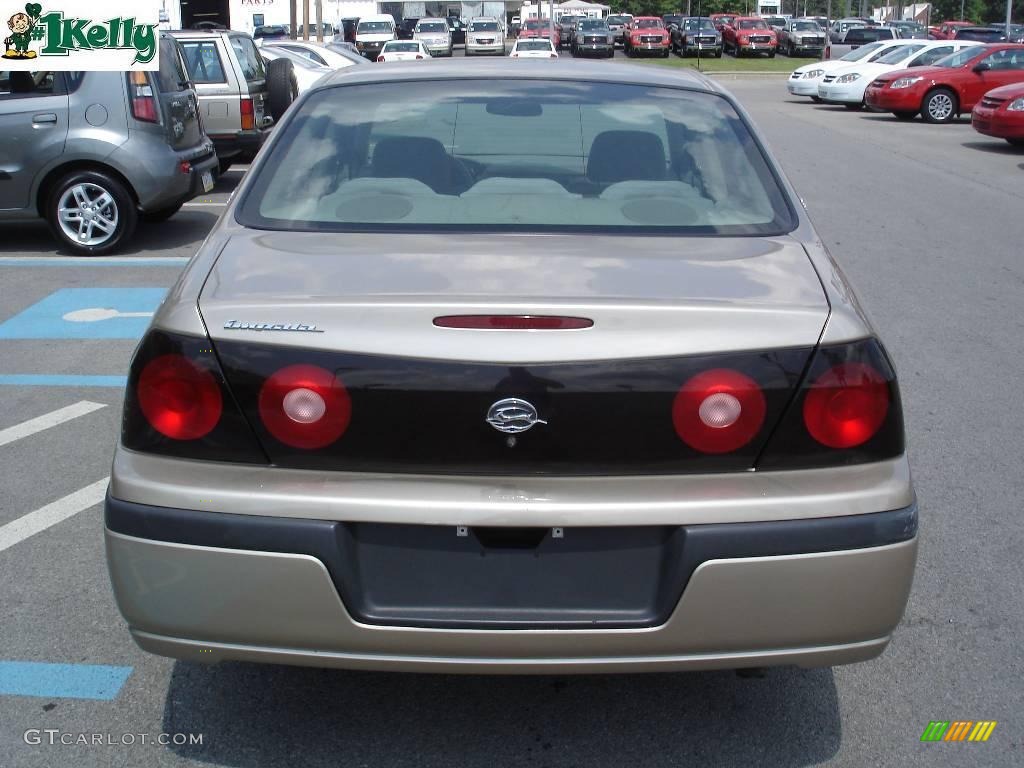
90,212
940,106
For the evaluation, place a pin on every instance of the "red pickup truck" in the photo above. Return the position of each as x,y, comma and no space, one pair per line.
541,29
947,29
647,36
749,34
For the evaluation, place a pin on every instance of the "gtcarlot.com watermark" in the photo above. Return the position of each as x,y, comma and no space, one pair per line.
54,736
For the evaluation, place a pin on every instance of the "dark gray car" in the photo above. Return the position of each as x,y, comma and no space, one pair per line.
92,152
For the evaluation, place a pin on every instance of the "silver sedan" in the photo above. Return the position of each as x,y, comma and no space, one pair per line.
513,367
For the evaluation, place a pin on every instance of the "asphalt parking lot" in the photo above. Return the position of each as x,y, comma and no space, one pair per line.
925,220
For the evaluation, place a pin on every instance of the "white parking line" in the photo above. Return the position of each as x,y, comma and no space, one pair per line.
38,424
53,513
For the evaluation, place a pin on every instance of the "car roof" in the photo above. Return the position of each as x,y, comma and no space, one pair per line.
504,68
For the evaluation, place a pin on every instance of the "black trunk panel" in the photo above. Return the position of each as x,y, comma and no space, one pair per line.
419,416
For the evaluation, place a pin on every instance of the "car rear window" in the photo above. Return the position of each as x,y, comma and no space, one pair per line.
248,58
534,45
504,155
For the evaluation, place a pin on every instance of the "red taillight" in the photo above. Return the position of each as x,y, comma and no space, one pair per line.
143,98
718,411
553,56
419,56
185,167
178,398
515,55
248,114
305,406
381,58
513,322
846,405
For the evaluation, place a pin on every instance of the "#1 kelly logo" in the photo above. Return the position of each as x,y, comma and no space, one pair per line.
115,42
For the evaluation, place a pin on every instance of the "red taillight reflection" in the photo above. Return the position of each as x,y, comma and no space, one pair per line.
514,322
178,398
718,411
305,406
846,405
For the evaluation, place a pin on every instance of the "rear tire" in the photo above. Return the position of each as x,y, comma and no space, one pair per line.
816,99
939,106
282,87
83,197
855,107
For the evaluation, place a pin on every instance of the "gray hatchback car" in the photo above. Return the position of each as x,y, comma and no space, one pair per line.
92,152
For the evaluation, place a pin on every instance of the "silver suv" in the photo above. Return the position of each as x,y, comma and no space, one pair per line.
92,152
240,96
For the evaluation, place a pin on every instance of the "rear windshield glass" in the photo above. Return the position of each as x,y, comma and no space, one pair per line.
373,27
534,45
393,47
248,58
503,155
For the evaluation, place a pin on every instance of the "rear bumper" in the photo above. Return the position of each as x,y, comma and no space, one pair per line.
214,586
154,170
242,143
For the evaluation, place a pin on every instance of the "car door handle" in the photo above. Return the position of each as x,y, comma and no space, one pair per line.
46,117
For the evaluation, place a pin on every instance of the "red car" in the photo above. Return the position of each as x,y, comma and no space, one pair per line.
1000,113
947,29
722,20
647,36
949,88
749,34
541,29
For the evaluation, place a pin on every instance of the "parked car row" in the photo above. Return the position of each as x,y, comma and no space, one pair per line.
938,80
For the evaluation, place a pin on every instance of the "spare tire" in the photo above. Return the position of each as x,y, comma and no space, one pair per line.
282,87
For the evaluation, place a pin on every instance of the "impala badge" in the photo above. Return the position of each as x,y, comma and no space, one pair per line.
513,415
234,325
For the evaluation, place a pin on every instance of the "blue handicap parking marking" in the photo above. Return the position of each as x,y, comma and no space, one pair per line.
86,313
64,681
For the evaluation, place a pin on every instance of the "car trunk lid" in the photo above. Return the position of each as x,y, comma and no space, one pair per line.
422,396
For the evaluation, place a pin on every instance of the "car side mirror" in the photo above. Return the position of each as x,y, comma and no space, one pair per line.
982,66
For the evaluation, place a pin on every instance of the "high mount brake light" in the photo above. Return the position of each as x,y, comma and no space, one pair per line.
718,411
179,399
514,322
846,405
305,406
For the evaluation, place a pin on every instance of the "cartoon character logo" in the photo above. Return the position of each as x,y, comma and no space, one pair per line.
21,26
